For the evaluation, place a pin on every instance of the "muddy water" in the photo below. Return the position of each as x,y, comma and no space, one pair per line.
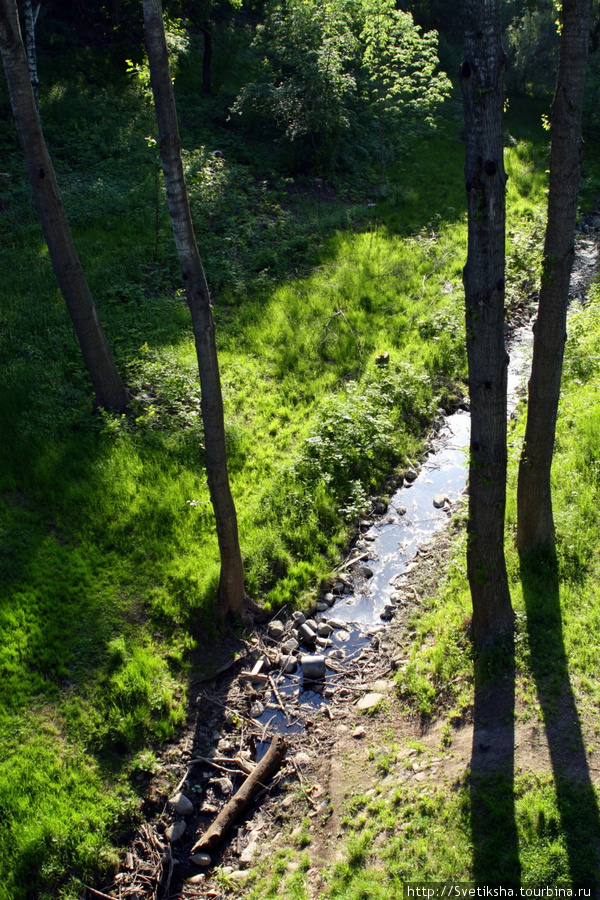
392,543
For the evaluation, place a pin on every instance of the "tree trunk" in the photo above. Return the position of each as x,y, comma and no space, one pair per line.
206,57
109,389
481,75
231,587
30,19
535,522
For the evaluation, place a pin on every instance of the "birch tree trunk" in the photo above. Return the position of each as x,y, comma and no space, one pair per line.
231,587
481,76
108,387
30,19
535,521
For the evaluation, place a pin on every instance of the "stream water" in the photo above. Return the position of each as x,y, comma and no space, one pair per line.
392,542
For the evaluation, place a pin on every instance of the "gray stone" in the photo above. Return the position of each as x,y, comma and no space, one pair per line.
225,785
298,618
359,733
336,623
439,501
329,599
311,624
339,653
175,831
288,665
276,630
343,635
324,630
387,612
365,571
195,879
201,859
370,537
397,597
401,510
369,701
411,475
257,709
380,507
248,854
181,805
338,588
322,606
302,759
290,645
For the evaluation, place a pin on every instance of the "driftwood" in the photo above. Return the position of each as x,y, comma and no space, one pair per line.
238,804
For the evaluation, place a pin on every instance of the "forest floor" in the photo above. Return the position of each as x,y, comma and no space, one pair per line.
340,759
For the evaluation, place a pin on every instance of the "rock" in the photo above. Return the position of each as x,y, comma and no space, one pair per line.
321,606
247,854
201,859
439,501
329,599
287,802
336,623
338,588
311,624
365,571
195,879
288,665
397,597
238,875
298,618
401,510
411,475
324,629
181,805
359,733
340,653
257,709
387,612
380,507
343,635
175,831
302,759
324,643
290,645
365,524
369,701
276,630
208,809
370,537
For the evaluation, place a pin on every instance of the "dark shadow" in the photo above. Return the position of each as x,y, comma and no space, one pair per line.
576,799
493,822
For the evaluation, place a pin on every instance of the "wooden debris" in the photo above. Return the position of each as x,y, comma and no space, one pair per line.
232,810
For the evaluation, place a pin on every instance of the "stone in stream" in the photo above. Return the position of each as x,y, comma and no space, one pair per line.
369,701
440,500
201,859
321,606
343,635
365,571
411,475
401,510
339,653
387,612
175,831
329,599
290,645
181,805
288,665
276,630
324,630
336,623
257,709
298,618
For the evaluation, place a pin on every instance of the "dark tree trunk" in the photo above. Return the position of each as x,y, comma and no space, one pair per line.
206,57
109,389
481,75
231,587
535,522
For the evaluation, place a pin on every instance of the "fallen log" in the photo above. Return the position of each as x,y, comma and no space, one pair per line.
238,804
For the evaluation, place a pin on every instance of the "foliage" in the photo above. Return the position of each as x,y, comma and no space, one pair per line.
533,42
332,67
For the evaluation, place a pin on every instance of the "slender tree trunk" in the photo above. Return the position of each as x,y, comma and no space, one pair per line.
231,588
109,389
30,19
481,75
535,522
207,57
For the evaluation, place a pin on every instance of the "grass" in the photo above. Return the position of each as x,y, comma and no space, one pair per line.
108,558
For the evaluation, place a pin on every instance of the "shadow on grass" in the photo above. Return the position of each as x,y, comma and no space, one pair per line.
493,819
575,795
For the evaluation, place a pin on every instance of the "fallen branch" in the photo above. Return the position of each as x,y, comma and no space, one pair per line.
238,804
277,696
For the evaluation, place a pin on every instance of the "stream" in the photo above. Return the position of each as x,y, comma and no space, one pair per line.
387,546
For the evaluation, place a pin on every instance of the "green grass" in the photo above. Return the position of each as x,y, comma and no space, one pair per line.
108,555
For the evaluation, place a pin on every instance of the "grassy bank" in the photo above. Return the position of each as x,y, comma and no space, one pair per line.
108,561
